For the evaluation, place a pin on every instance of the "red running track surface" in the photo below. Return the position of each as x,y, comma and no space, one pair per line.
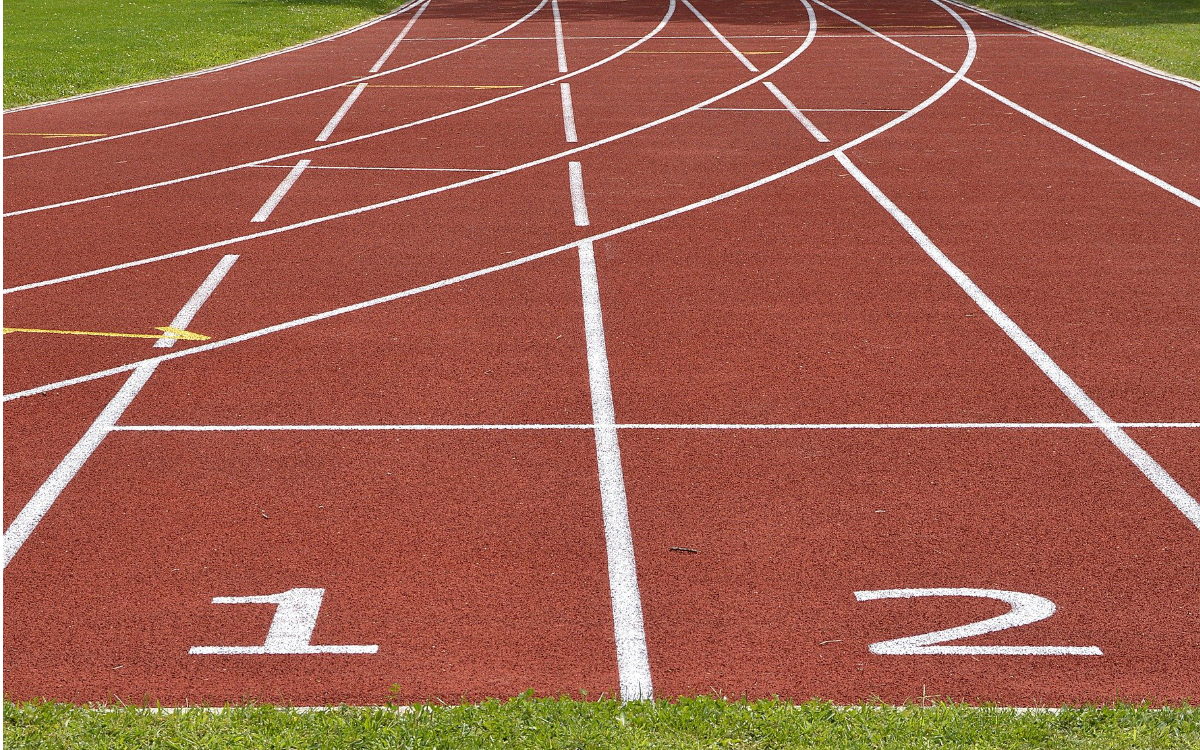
586,354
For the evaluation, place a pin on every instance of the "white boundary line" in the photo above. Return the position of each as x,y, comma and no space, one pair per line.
376,169
1157,475
290,179
1140,67
346,309
342,110
183,318
812,129
1177,192
355,139
633,661
218,68
520,167
868,426
37,507
559,46
578,199
399,38
568,109
290,97
736,52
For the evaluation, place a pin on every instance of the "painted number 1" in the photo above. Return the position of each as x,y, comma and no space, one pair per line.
291,628
1025,609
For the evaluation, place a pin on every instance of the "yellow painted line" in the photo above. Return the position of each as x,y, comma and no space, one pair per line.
434,86
167,332
674,52
63,135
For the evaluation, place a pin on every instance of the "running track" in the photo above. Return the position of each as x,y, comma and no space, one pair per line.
663,346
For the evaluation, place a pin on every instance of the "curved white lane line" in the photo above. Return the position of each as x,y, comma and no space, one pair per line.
224,66
1108,155
953,81
290,97
443,188
395,128
1140,67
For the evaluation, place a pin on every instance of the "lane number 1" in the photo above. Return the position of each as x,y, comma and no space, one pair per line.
1025,609
291,628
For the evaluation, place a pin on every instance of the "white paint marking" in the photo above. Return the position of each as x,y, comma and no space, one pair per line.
183,318
1026,609
1031,115
281,190
568,112
1082,47
787,103
1134,452
647,426
364,136
578,199
783,109
533,257
290,97
218,68
633,662
291,628
337,116
399,38
31,515
728,44
377,169
558,38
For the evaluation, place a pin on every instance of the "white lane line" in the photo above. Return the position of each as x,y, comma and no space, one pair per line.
377,169
558,38
280,191
290,97
1134,452
520,167
728,45
31,515
363,137
785,109
217,68
633,661
337,116
399,38
648,426
1031,115
183,318
568,109
532,257
813,130
578,199
1081,46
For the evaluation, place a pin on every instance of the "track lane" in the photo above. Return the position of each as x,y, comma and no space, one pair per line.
290,68
1159,649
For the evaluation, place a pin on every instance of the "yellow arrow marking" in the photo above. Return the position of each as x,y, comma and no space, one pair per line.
63,135
167,333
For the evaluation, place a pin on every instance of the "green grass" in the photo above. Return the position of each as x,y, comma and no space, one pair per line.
527,722
1162,33
57,48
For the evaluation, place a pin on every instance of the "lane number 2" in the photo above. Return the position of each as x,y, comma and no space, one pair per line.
1025,610
291,628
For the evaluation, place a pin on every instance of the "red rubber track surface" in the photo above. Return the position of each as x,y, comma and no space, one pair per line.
807,405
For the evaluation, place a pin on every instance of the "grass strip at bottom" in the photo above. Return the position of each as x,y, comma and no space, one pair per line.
529,722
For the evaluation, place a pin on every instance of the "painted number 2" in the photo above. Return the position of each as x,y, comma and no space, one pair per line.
1025,609
291,628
